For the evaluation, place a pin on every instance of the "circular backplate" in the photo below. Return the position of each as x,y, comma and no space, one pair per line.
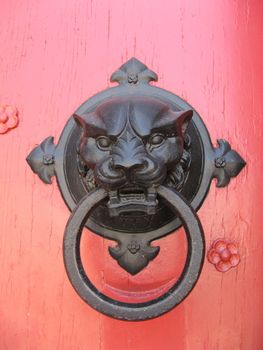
73,185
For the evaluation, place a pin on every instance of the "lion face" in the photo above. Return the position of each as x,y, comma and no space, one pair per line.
132,141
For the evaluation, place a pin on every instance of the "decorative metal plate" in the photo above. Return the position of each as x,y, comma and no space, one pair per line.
201,162
134,163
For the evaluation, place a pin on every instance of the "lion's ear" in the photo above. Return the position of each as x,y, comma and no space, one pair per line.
182,120
91,124
80,121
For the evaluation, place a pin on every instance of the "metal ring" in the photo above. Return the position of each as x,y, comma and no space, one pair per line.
134,311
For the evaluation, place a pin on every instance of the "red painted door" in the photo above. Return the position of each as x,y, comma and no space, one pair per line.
56,54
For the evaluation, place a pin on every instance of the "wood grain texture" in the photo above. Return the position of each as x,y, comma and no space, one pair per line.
54,55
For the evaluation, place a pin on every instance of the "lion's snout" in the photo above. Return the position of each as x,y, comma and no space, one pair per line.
129,163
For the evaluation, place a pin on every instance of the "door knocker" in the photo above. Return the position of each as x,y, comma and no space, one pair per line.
133,164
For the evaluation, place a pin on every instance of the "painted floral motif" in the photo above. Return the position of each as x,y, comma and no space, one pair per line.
224,255
8,118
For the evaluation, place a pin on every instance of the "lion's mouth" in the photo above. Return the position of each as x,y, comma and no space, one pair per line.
132,199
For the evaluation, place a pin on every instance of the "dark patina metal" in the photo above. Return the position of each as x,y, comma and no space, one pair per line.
133,164
132,311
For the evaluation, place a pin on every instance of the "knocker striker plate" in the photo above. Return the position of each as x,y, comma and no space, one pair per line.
129,140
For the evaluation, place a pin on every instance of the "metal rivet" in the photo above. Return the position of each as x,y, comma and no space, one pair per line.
132,78
133,247
220,162
48,159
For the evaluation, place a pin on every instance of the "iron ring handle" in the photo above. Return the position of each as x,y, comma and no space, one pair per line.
131,311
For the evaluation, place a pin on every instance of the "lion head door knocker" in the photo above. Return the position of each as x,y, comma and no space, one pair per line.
134,163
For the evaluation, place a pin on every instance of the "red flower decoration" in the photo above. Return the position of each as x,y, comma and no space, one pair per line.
8,118
224,255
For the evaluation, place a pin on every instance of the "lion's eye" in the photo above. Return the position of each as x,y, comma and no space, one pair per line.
156,139
103,142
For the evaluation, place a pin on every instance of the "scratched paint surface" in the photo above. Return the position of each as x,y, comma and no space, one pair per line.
54,55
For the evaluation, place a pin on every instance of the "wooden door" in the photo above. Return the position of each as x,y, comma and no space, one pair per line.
56,54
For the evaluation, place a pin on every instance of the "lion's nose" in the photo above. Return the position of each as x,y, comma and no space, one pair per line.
128,163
